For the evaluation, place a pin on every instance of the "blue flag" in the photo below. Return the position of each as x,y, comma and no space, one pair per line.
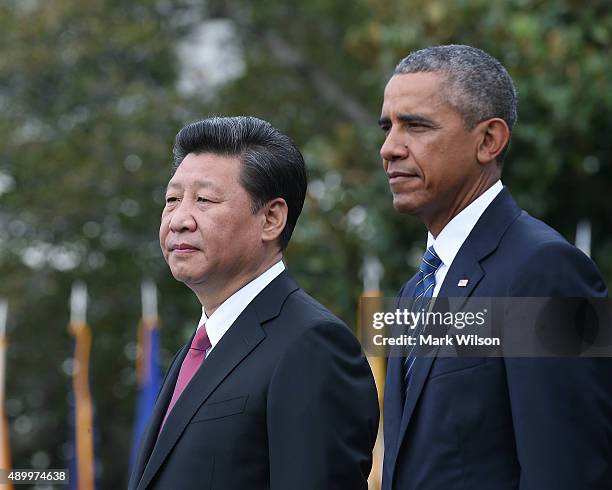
149,382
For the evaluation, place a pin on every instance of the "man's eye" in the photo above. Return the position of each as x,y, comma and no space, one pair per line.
170,199
385,127
203,199
418,126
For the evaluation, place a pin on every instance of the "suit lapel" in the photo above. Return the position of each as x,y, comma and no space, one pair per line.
463,276
161,404
420,371
397,414
393,403
481,242
394,384
418,376
235,345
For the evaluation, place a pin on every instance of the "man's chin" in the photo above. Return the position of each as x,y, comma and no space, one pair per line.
182,276
403,205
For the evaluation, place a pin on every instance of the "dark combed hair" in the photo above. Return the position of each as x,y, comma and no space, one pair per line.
272,166
477,84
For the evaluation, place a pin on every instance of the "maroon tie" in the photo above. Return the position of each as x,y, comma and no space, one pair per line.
193,360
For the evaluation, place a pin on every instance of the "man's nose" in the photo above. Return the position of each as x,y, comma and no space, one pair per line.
394,147
182,218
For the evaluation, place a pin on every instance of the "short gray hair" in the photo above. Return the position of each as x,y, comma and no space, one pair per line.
477,85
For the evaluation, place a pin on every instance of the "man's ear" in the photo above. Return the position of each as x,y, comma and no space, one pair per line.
494,138
275,214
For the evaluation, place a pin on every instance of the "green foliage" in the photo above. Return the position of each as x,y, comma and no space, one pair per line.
89,108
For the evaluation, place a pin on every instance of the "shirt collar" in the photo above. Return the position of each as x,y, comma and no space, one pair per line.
226,314
452,236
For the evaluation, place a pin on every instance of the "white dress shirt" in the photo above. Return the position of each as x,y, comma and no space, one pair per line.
227,313
452,236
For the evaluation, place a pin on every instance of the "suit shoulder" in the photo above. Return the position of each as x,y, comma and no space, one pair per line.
545,263
302,317
535,241
533,233
309,310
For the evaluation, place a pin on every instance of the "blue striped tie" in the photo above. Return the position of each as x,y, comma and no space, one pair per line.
423,292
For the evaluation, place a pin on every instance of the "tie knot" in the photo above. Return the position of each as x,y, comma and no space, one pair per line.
430,262
200,340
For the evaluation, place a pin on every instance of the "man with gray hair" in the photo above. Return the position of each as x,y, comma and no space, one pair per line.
474,422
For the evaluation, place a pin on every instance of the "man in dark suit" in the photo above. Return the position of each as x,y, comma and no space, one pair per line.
474,422
273,391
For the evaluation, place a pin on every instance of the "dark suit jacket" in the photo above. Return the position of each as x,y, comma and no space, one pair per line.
285,400
504,423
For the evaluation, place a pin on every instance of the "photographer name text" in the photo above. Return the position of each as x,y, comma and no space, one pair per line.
431,340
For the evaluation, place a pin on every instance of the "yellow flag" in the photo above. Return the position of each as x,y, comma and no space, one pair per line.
83,407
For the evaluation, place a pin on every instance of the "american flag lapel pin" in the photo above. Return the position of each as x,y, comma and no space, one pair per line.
462,283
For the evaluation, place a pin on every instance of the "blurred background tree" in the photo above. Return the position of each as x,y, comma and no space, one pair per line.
92,94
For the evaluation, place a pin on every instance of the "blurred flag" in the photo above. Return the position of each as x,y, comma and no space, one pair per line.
372,300
583,236
147,365
5,448
82,468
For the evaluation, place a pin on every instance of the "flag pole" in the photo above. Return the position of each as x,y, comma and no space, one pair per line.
80,383
149,321
148,292
5,448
